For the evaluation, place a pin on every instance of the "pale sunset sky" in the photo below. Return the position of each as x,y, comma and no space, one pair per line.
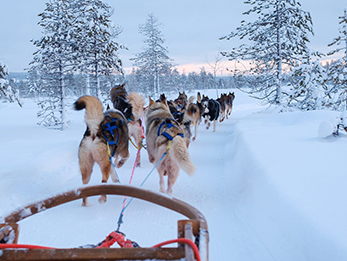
191,29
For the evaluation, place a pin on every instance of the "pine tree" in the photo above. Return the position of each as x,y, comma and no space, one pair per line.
94,36
154,62
307,85
77,38
337,75
7,92
276,40
53,60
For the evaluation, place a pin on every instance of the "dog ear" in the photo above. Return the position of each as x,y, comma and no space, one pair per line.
199,97
162,97
163,100
150,100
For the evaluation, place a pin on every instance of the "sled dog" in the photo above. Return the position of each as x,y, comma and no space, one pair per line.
106,137
132,107
163,134
194,113
226,105
187,113
211,110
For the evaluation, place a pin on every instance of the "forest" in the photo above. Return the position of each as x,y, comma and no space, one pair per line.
78,54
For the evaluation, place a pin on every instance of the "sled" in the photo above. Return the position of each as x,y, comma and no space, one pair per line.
194,227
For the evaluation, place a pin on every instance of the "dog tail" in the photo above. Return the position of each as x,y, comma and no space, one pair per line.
179,152
94,111
191,100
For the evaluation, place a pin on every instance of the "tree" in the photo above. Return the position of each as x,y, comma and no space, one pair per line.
307,86
94,36
6,91
337,74
275,41
215,66
77,37
153,62
53,59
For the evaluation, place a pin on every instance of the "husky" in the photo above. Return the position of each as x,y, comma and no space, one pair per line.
132,107
226,105
194,113
187,113
223,111
106,137
164,135
229,103
211,110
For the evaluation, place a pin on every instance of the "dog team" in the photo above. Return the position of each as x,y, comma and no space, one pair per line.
168,128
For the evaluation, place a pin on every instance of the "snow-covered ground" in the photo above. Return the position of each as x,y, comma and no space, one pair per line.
268,185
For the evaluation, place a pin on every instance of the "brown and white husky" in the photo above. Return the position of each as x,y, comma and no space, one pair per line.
163,134
106,137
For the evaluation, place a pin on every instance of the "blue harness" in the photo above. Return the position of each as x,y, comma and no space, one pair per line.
168,126
111,126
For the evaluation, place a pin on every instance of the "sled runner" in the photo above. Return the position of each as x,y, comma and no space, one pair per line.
192,238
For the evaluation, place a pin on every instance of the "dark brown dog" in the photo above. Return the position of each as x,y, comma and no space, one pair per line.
132,107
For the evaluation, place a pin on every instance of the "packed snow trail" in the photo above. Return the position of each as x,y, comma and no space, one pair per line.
208,190
270,189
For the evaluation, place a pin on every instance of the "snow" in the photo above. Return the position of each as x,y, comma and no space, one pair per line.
270,186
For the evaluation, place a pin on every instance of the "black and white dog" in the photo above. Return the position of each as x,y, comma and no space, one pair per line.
211,109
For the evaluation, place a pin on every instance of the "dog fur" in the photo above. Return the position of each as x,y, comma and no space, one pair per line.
229,103
194,113
211,110
180,114
177,156
226,102
132,107
93,146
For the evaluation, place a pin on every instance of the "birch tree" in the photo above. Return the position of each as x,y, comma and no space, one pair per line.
271,44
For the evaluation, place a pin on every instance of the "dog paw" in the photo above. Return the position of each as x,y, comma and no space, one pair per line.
138,164
102,199
85,203
114,179
120,163
151,159
193,139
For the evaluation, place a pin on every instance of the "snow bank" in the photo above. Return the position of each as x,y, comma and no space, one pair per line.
289,185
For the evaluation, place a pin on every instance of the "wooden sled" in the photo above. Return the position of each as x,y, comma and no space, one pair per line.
194,227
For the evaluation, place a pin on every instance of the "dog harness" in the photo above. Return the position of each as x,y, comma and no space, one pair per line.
168,126
111,126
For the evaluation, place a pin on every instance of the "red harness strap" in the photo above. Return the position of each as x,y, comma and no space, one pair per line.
114,237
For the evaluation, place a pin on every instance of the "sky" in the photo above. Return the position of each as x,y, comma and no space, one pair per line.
268,185
191,29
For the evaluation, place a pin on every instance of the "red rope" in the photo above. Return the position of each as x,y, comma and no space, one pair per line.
4,246
182,240
111,239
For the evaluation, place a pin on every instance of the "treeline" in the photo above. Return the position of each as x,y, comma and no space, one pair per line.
76,83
